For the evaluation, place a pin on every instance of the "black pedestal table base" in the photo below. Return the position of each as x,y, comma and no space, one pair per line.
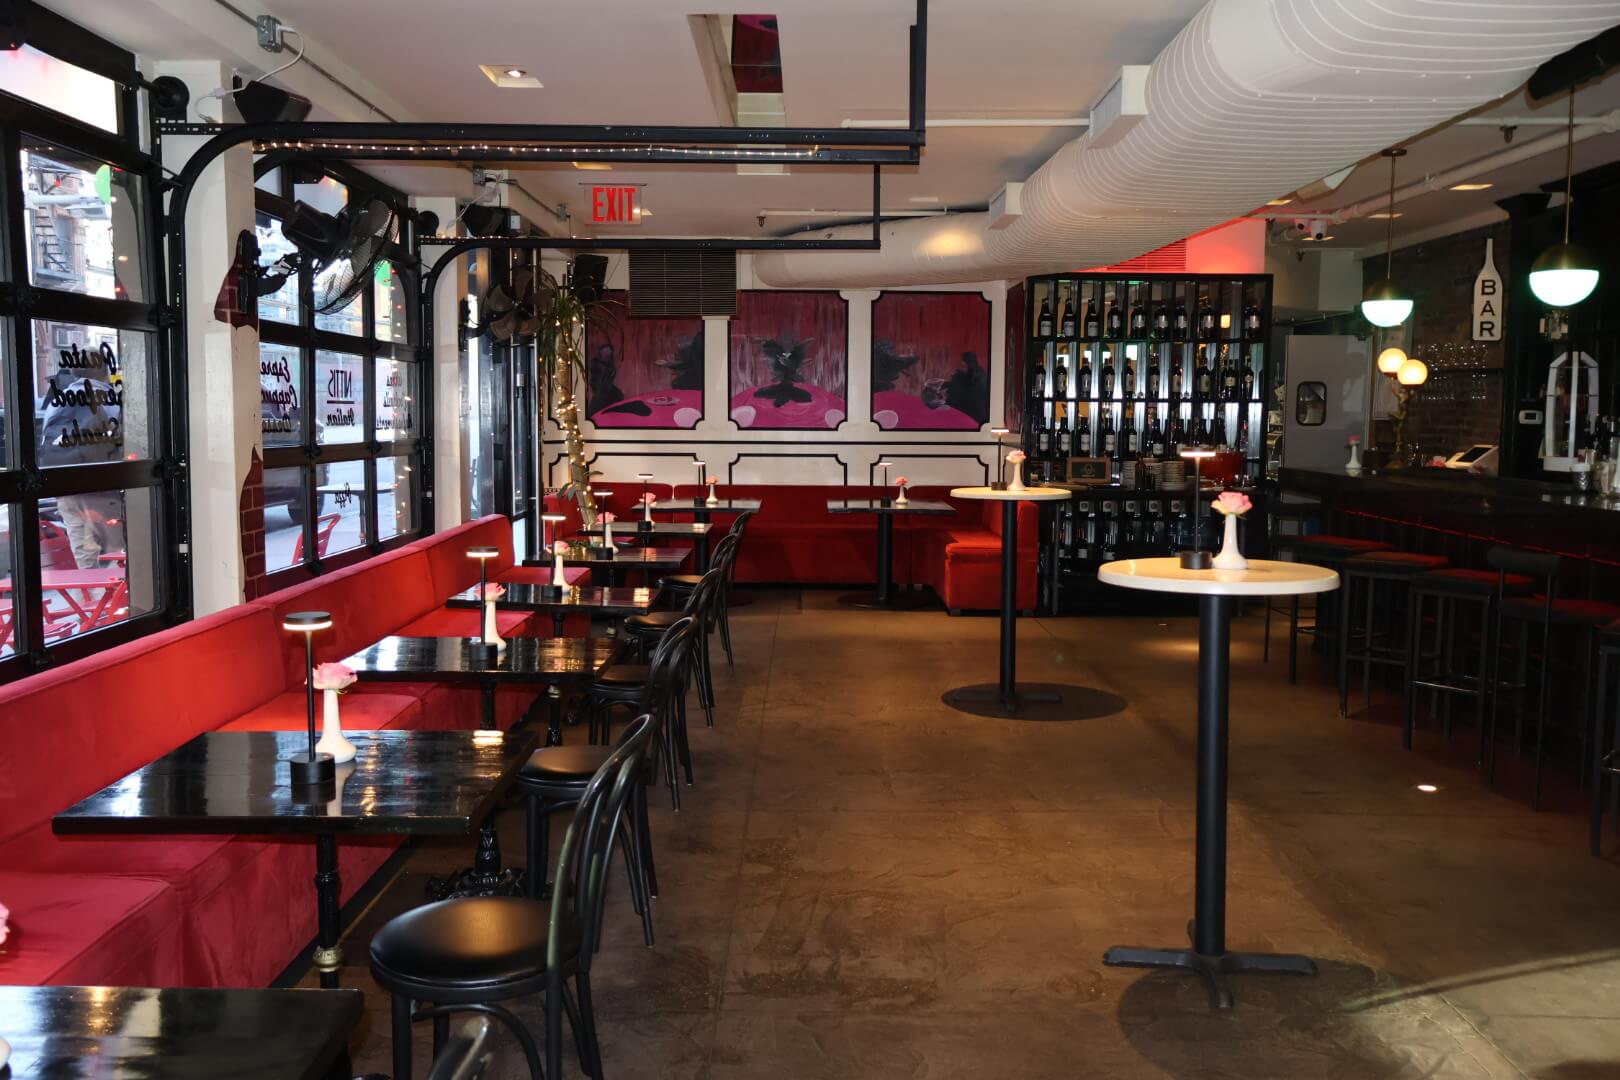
899,599
1214,969
1035,701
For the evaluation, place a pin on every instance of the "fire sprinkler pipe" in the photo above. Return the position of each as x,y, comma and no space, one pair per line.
979,122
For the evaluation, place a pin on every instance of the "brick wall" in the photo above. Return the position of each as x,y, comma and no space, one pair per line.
250,507
1462,402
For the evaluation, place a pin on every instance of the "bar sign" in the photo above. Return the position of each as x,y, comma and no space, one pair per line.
615,204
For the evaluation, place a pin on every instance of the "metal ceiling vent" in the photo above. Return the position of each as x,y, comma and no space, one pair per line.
682,283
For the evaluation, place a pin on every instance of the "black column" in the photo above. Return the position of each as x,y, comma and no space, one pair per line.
885,557
1214,671
1009,596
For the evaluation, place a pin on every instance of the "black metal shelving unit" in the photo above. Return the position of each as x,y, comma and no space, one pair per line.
1162,361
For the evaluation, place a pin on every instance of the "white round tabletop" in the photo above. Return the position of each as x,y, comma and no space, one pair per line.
1029,494
1264,577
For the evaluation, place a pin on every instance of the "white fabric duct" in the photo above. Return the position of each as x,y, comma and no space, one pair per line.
1252,99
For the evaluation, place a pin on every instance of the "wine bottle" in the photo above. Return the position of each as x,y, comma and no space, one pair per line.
1037,377
1043,437
1153,378
1243,432
1229,376
1218,432
1176,437
1206,319
1093,326
1065,437
1082,433
1155,434
1113,320
1251,322
1247,388
1178,380
1206,377
1106,385
1130,447
1084,389
1161,322
1066,315
1195,433
1060,377
1043,321
1139,321
1128,380
1110,439
1181,327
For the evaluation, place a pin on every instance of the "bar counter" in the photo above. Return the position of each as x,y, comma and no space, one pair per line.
1546,515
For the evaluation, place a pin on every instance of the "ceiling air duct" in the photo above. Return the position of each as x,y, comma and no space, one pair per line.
1253,97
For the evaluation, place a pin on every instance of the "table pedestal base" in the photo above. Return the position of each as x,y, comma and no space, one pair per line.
486,877
897,600
988,700
1214,969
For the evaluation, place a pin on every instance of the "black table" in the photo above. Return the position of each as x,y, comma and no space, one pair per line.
638,531
419,783
559,604
886,511
555,661
66,1032
629,557
700,509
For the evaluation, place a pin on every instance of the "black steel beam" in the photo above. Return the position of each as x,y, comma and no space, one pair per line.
584,134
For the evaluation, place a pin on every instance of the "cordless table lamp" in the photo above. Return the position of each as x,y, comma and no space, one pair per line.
1197,558
1001,460
311,768
646,522
604,552
485,650
548,528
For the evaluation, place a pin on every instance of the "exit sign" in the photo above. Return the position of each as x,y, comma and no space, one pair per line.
615,204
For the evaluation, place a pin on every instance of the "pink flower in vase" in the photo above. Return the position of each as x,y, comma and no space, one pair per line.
493,591
901,481
607,517
5,914
1232,502
1017,457
333,676
1355,440
650,498
560,547
1437,462
711,481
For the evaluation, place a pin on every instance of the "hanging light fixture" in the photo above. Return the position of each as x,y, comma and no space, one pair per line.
1385,303
1413,372
1391,359
1565,274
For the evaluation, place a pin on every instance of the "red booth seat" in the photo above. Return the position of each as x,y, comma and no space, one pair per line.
202,910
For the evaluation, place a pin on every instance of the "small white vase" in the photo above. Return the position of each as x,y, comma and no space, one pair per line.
1015,482
900,499
491,627
1353,466
713,499
607,534
1231,554
646,512
557,577
332,740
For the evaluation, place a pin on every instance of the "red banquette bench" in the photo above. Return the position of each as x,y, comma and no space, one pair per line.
206,911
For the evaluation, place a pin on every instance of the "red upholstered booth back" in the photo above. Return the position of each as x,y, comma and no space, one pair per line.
449,568
73,730
367,601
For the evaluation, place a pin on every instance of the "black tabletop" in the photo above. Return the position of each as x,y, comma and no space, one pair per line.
421,782
451,659
654,558
583,599
692,506
627,528
888,506
67,1032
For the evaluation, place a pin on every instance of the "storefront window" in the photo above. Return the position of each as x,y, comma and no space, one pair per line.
97,558
392,303
281,305
60,86
340,492
284,502
396,496
281,383
95,402
396,396
82,222
339,414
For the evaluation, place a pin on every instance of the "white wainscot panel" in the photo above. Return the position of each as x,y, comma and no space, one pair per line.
809,466
963,469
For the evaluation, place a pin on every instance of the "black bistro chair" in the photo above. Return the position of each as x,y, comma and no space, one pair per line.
680,586
470,954
703,604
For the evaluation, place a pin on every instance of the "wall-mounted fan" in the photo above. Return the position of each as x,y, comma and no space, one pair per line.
511,311
340,251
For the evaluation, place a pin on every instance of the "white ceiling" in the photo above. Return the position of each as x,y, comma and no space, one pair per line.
634,61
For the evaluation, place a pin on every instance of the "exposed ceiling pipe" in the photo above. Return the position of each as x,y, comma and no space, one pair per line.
1251,97
1529,121
977,122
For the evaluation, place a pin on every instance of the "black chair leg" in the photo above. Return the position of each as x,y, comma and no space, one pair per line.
1414,664
1293,640
1600,778
539,838
1346,603
402,1036
1541,706
725,634
638,802
1484,686
706,673
554,1011
441,1035
587,1017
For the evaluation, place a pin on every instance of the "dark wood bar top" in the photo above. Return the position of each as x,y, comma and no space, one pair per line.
1534,513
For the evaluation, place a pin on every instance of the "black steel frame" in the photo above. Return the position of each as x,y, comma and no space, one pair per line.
308,339
25,483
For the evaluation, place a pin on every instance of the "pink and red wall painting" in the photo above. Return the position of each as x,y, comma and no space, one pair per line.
789,360
643,373
930,361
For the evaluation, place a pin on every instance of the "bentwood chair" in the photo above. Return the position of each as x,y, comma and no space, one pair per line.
471,954
466,1054
703,605
680,585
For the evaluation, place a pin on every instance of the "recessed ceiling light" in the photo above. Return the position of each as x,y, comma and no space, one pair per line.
1384,215
593,166
1278,202
1314,239
924,199
508,77
1428,789
1469,187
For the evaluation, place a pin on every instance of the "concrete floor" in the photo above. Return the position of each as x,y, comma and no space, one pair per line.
865,883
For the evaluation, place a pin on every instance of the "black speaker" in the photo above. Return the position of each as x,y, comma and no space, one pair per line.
262,104
169,97
589,279
485,220
13,27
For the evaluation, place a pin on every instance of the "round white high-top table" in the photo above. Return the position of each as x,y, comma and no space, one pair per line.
1006,693
1215,590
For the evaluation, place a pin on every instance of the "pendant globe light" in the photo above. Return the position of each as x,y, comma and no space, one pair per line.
1386,303
1565,274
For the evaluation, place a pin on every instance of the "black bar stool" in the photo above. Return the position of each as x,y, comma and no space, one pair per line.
1280,512
1577,619
1386,573
1331,552
1465,604
1606,764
